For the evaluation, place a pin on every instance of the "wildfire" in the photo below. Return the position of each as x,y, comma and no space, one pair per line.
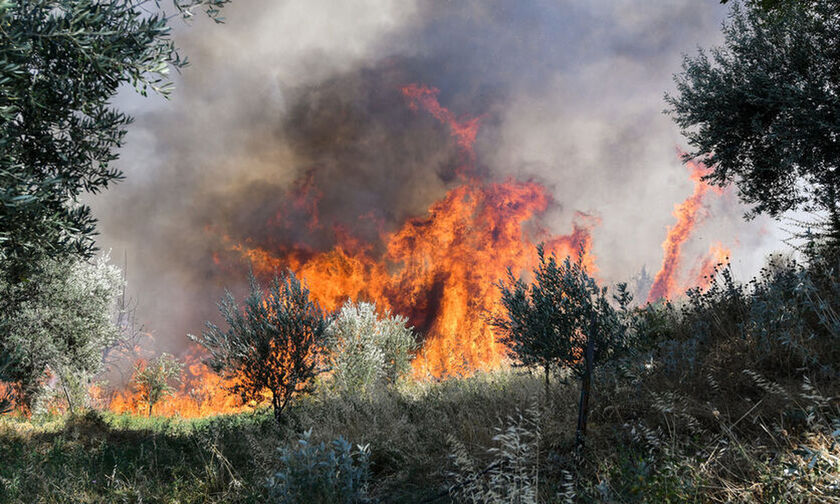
440,268
688,213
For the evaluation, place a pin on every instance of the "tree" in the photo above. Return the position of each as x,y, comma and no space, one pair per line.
763,110
273,345
61,64
563,319
366,348
62,326
151,380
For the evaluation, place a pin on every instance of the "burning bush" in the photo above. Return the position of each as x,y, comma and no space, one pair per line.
272,346
366,348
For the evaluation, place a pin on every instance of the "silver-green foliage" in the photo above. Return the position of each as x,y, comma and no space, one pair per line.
513,473
63,326
367,348
321,473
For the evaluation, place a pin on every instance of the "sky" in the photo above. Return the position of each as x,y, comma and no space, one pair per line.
570,94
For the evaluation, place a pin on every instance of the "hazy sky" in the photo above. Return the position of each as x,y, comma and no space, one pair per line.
570,94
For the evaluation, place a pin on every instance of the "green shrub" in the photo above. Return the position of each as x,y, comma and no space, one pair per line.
318,473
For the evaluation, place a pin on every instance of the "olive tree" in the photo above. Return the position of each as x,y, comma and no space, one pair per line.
367,348
273,345
563,319
763,109
62,327
61,64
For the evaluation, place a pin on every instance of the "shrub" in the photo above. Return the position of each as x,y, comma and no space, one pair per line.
318,473
151,380
366,348
273,344
512,476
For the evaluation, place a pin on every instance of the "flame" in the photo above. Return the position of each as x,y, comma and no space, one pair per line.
703,274
200,393
688,214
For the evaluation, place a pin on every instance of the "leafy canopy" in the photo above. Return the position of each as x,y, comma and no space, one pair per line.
63,325
763,109
61,64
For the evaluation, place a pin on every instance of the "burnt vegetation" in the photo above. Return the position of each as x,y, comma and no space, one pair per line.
727,394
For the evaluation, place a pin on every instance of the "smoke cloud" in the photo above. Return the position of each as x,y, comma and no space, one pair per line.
301,99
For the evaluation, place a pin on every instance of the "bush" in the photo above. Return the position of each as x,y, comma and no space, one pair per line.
317,473
512,476
273,346
366,349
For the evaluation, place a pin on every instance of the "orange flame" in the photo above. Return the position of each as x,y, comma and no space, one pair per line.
688,213
702,275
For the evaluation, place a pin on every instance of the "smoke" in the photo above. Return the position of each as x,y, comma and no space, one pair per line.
295,102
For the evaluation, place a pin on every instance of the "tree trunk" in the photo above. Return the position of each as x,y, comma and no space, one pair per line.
67,395
585,387
547,367
150,408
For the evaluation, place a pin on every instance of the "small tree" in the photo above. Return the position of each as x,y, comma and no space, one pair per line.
562,319
366,348
273,344
152,380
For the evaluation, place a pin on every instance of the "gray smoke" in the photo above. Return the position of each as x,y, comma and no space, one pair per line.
290,93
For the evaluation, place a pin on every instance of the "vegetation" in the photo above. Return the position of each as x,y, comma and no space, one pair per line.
321,474
563,320
61,329
727,395
152,380
62,63
762,110
273,345
366,350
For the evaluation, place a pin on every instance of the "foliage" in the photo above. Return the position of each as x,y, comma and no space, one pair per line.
273,344
320,473
547,323
366,348
61,64
5,387
63,325
151,380
512,476
762,109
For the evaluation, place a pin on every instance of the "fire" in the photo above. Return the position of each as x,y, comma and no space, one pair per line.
440,269
200,393
688,214
702,275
